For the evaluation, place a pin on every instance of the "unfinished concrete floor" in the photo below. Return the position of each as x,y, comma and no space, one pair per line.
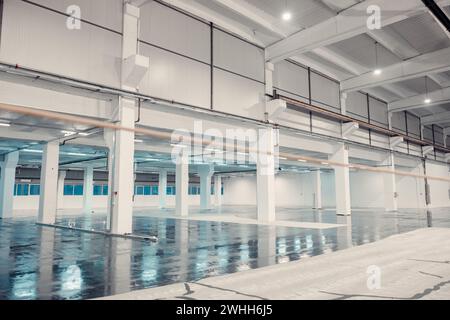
413,265
46,263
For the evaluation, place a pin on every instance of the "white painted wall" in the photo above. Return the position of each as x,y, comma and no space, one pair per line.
366,190
438,189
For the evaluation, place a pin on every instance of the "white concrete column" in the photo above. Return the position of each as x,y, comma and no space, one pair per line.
390,185
182,184
342,180
162,188
269,77
88,189
265,180
7,181
205,172
218,190
121,177
318,190
61,179
344,103
49,183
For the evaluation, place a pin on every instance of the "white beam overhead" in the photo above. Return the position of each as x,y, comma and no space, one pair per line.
254,14
436,118
437,61
440,96
347,24
209,15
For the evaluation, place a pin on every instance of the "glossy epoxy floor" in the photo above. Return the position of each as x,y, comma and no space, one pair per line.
46,263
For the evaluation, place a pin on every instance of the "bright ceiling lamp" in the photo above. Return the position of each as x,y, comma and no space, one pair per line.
377,70
286,15
427,98
5,124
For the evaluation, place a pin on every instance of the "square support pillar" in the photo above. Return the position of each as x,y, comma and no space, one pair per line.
265,175
318,190
121,169
218,190
342,180
162,188
7,181
61,179
88,189
343,101
205,172
49,183
182,184
390,185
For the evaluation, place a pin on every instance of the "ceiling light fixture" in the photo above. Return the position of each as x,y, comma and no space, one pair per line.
138,140
427,98
5,124
377,70
287,15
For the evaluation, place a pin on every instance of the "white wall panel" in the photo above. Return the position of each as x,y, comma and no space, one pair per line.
174,77
325,126
235,94
366,189
411,191
378,112
295,119
36,38
292,79
361,136
438,189
415,149
235,55
106,13
325,92
379,140
357,105
175,31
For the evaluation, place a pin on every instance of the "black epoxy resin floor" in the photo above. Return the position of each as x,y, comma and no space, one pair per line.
47,263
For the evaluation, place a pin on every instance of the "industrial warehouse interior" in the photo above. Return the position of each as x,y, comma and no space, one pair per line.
224,150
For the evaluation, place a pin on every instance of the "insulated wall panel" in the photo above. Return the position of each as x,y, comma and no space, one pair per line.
38,38
428,133
105,13
291,80
379,140
235,94
325,92
326,127
398,122
167,78
361,136
438,135
413,125
378,112
175,31
357,105
236,55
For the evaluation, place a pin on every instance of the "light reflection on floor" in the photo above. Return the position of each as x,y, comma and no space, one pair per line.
46,263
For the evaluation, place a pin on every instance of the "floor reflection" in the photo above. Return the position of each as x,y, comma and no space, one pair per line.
45,263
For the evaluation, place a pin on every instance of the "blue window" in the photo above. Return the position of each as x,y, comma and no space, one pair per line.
171,191
147,190
98,190
155,190
21,189
35,189
78,190
139,190
68,190
105,190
